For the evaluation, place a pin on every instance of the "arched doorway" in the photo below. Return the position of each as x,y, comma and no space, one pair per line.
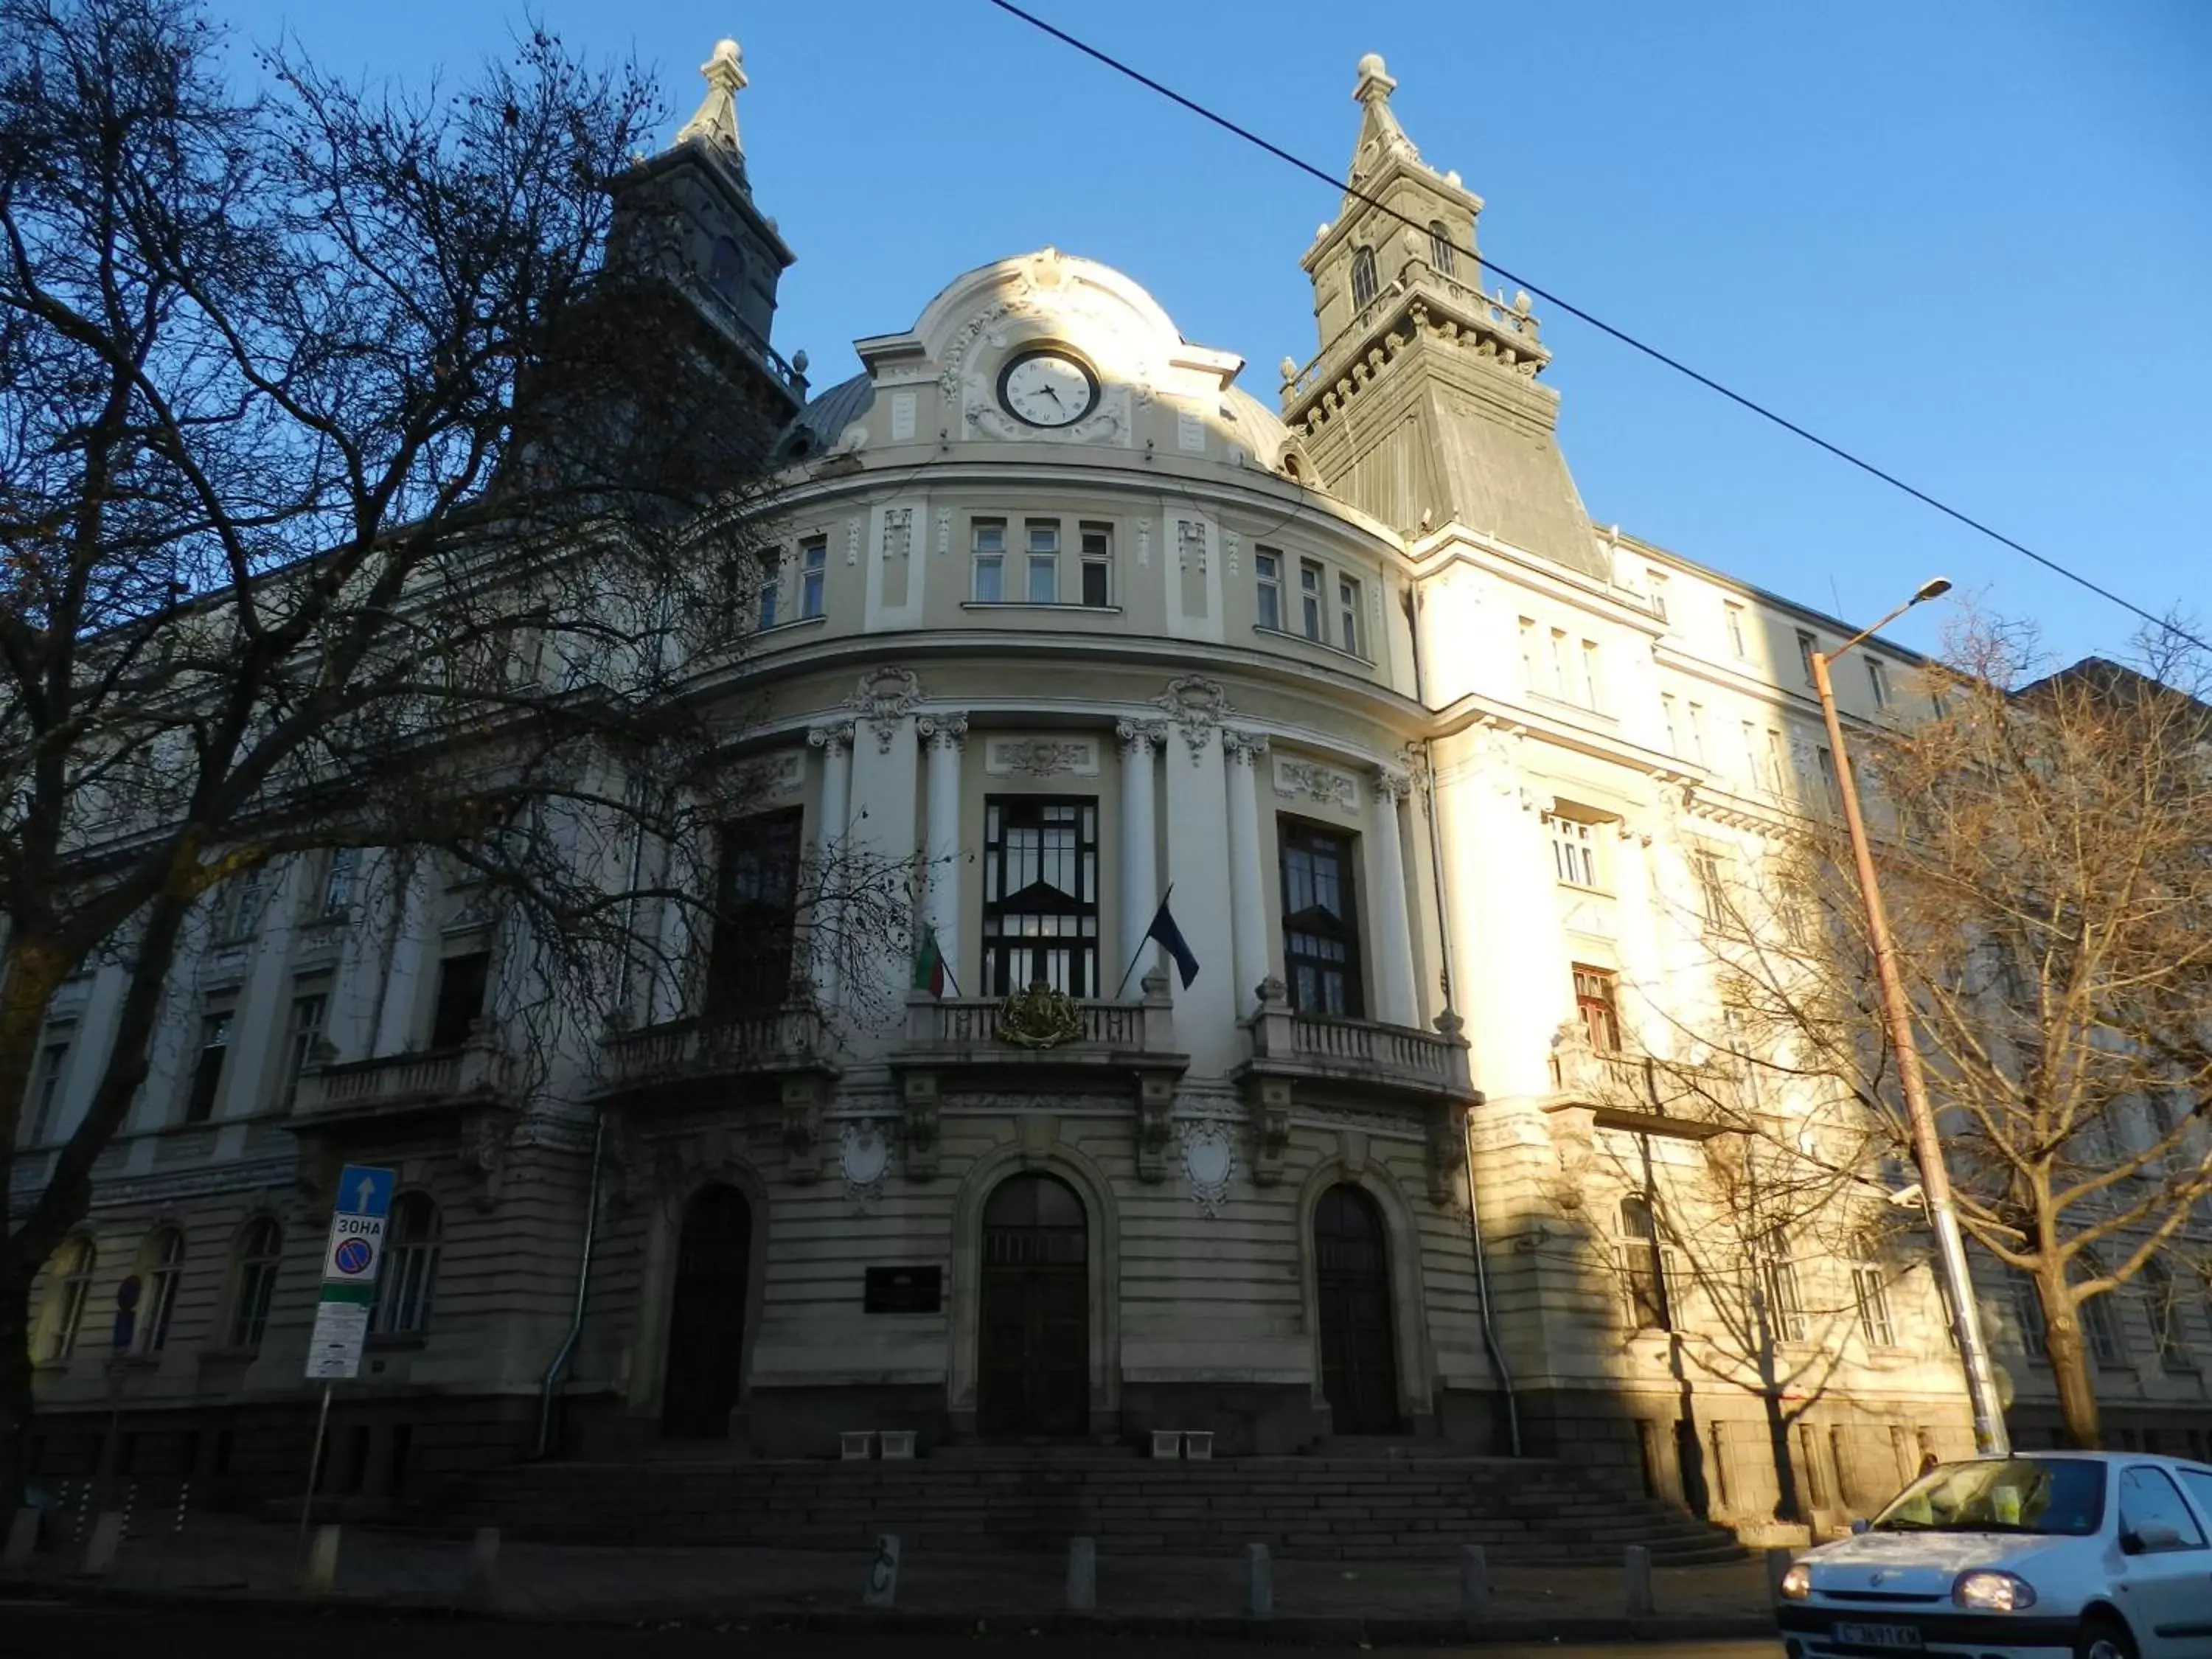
1358,1349
1033,1367
707,1316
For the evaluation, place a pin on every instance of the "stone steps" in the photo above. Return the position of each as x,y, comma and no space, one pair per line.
975,1500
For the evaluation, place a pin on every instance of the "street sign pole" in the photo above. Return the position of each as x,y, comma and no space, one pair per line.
351,1255
314,1470
125,1331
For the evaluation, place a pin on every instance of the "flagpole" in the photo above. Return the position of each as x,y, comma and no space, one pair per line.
1142,944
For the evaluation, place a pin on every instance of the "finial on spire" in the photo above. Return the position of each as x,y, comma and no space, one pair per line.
1375,81
716,118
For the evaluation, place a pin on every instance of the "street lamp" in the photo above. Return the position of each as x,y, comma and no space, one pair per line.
1990,1438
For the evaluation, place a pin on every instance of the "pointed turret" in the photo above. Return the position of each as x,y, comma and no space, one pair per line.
1423,405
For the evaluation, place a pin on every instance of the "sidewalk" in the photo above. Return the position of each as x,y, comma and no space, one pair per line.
221,1560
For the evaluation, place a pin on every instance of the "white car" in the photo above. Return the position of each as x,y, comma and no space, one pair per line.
2043,1555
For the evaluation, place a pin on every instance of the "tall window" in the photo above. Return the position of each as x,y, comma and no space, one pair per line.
770,590
1347,614
167,1257
1870,1288
990,546
1831,789
1559,664
1593,685
260,1253
1321,921
242,900
303,1029
1805,646
1877,683
1643,1267
1739,644
463,982
45,1093
207,1068
72,1288
1267,573
2028,1314
1667,714
408,1279
1657,579
1712,888
1529,681
1698,732
1097,564
1574,850
1041,581
341,865
2100,1320
1040,893
1750,734
1440,246
1363,275
1786,1292
1310,599
1777,767
813,573
756,906
1597,1004
2164,1304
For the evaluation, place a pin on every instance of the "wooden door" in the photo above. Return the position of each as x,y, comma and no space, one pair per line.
1033,1371
1359,1347
706,1316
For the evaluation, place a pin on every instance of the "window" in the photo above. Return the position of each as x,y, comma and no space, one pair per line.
1321,921
1784,1291
1347,614
1750,751
260,1252
1738,643
1528,654
72,1288
45,1093
207,1070
1559,664
1657,579
770,589
1777,767
1041,894
1574,850
990,546
2028,1314
1698,732
303,1030
2198,1482
408,1277
1042,583
1870,1289
1712,888
1591,683
1877,683
813,573
462,982
2100,1323
1643,1265
1097,565
1805,646
1363,276
1831,789
749,954
1267,570
167,1256
340,866
1310,599
1597,1003
242,898
2153,1516
2164,1305
1667,714
1440,246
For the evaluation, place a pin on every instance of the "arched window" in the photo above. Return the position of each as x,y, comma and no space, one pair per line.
1363,276
409,1277
164,1258
1440,246
260,1252
72,1288
1643,1265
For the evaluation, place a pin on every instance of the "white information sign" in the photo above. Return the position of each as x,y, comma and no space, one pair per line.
334,1351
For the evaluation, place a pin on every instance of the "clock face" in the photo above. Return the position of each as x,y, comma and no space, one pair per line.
1048,388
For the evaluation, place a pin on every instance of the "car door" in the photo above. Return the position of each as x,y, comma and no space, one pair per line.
2165,1583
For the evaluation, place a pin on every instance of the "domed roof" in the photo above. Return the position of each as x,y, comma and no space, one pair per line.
815,428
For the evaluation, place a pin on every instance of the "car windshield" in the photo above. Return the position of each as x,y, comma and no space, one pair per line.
2059,1496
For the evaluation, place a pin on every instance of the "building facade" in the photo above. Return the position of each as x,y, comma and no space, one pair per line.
1436,779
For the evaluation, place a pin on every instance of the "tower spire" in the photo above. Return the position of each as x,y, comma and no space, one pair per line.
1380,135
715,120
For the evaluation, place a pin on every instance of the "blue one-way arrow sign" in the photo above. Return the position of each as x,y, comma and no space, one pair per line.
364,1191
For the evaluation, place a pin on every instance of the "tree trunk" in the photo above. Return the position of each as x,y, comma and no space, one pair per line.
2069,1366
15,1277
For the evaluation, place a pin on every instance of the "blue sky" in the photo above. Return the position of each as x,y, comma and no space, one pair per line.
1972,240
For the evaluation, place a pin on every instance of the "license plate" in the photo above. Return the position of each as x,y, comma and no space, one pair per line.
1878,1635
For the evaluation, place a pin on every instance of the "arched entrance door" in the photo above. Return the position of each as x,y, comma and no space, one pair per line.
707,1316
1033,1372
1358,1351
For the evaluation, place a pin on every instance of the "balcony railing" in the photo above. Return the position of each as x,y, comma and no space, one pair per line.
479,1070
689,1050
1398,1057
1645,1093
1038,1027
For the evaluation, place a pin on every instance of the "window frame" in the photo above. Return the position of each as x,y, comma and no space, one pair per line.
407,1279
72,1293
1035,559
440,1034
1807,643
300,1038
1787,1314
1268,588
1303,838
768,593
1079,916
45,1095
1442,255
1739,641
164,1272
1870,1293
813,578
983,558
1100,559
1647,1276
1348,618
1365,280
2162,1303
1575,841
204,1086
254,1282
1656,582
752,941
1878,685
1313,588
1597,1005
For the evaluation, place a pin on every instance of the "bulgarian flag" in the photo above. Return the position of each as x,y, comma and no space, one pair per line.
929,965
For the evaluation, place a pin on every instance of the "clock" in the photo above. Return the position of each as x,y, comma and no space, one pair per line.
1047,388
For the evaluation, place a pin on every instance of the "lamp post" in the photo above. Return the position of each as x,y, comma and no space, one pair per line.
1989,1439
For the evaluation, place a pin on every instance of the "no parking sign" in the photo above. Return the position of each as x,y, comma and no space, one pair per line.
350,1256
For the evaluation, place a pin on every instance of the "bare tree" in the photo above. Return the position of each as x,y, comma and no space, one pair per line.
370,477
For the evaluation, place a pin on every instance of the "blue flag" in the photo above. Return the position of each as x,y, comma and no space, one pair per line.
1169,937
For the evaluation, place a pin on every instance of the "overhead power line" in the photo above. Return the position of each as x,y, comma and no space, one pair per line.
1599,323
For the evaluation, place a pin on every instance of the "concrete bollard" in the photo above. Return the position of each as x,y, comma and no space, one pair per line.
1082,1575
1777,1563
321,1573
1639,1565
482,1584
22,1543
882,1590
106,1539
1473,1582
1259,1582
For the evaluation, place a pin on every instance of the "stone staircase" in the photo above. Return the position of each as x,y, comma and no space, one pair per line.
985,1498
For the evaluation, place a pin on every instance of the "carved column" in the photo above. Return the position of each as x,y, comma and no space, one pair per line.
1394,1002
1140,866
942,736
1248,896
833,813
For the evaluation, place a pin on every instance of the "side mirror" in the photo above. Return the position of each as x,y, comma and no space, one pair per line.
1858,1526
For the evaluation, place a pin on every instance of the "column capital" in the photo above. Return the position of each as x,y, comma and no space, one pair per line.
1140,737
1390,785
835,739
1246,747
943,729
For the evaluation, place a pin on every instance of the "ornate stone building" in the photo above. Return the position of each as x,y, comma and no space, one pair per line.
1439,775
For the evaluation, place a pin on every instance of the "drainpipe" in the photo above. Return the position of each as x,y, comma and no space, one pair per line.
551,1382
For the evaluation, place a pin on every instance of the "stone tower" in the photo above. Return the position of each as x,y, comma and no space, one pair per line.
1423,406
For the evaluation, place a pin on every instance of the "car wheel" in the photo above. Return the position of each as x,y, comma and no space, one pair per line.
2102,1638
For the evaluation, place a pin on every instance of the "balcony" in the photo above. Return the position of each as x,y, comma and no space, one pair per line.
680,1055
479,1072
1642,1093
